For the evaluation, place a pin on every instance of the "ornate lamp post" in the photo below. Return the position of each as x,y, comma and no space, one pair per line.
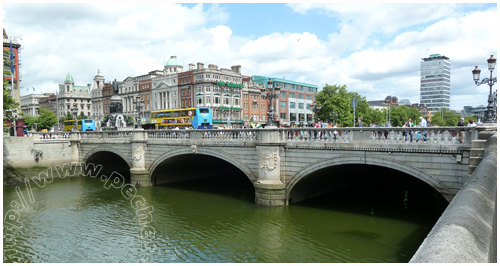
490,81
74,112
271,93
315,107
138,107
334,117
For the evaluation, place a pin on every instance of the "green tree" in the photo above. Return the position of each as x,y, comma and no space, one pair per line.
445,117
8,101
46,119
335,98
81,116
29,120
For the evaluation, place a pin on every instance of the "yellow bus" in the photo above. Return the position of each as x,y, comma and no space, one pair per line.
200,117
70,124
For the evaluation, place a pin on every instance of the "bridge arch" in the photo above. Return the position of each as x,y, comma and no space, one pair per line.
381,162
216,153
111,159
116,152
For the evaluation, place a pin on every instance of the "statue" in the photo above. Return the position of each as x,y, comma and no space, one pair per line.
115,87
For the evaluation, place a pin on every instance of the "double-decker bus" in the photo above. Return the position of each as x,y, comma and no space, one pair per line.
198,118
83,125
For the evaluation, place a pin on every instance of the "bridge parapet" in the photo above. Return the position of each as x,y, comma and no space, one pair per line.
384,135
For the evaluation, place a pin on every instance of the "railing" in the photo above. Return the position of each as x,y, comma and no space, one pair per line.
49,136
105,134
375,135
414,135
169,134
231,134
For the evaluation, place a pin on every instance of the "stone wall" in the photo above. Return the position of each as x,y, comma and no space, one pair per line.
466,232
21,151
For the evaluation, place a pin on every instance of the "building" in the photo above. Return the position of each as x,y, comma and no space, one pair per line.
186,88
70,95
294,103
15,68
404,102
384,104
166,86
254,105
97,97
221,90
30,103
435,82
49,103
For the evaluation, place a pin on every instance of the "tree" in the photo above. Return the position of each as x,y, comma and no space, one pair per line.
46,119
8,101
81,116
68,116
445,117
29,120
337,98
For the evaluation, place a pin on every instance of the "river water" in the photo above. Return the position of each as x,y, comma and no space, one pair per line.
212,220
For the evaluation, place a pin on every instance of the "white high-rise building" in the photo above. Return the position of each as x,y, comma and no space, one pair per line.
435,82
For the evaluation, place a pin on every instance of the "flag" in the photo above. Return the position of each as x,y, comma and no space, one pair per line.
33,88
11,57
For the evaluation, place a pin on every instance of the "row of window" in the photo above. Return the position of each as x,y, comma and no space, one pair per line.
201,101
293,105
255,106
216,77
217,89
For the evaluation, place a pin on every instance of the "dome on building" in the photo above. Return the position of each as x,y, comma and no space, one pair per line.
69,78
173,61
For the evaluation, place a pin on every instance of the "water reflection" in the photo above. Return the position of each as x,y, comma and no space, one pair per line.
212,220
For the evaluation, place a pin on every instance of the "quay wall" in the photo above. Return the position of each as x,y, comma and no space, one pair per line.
20,152
466,232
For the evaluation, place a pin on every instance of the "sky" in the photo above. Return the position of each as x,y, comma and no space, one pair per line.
375,49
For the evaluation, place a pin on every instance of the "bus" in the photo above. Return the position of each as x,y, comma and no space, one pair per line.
198,118
83,125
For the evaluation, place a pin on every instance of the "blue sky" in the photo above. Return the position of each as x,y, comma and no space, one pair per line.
373,48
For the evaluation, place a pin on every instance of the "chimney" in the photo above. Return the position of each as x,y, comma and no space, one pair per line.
236,69
201,65
191,66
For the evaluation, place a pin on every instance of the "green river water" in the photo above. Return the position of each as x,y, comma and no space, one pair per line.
211,220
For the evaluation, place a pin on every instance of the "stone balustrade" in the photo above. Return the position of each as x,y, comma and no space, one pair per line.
375,135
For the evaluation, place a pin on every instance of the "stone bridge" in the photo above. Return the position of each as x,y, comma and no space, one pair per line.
275,160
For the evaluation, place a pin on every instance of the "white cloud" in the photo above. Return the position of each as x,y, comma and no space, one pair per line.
128,40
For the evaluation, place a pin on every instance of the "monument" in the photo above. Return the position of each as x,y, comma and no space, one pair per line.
116,119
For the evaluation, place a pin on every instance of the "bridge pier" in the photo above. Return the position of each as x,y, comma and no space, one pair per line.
139,175
269,190
270,194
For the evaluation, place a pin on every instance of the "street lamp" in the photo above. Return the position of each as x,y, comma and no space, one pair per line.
270,93
138,107
334,116
490,81
74,111
315,107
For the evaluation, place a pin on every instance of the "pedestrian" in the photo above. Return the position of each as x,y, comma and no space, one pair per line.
423,123
472,123
461,132
359,123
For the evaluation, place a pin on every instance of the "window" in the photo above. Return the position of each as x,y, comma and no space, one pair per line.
292,105
283,104
308,97
293,117
301,96
283,94
292,95
283,116
301,105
